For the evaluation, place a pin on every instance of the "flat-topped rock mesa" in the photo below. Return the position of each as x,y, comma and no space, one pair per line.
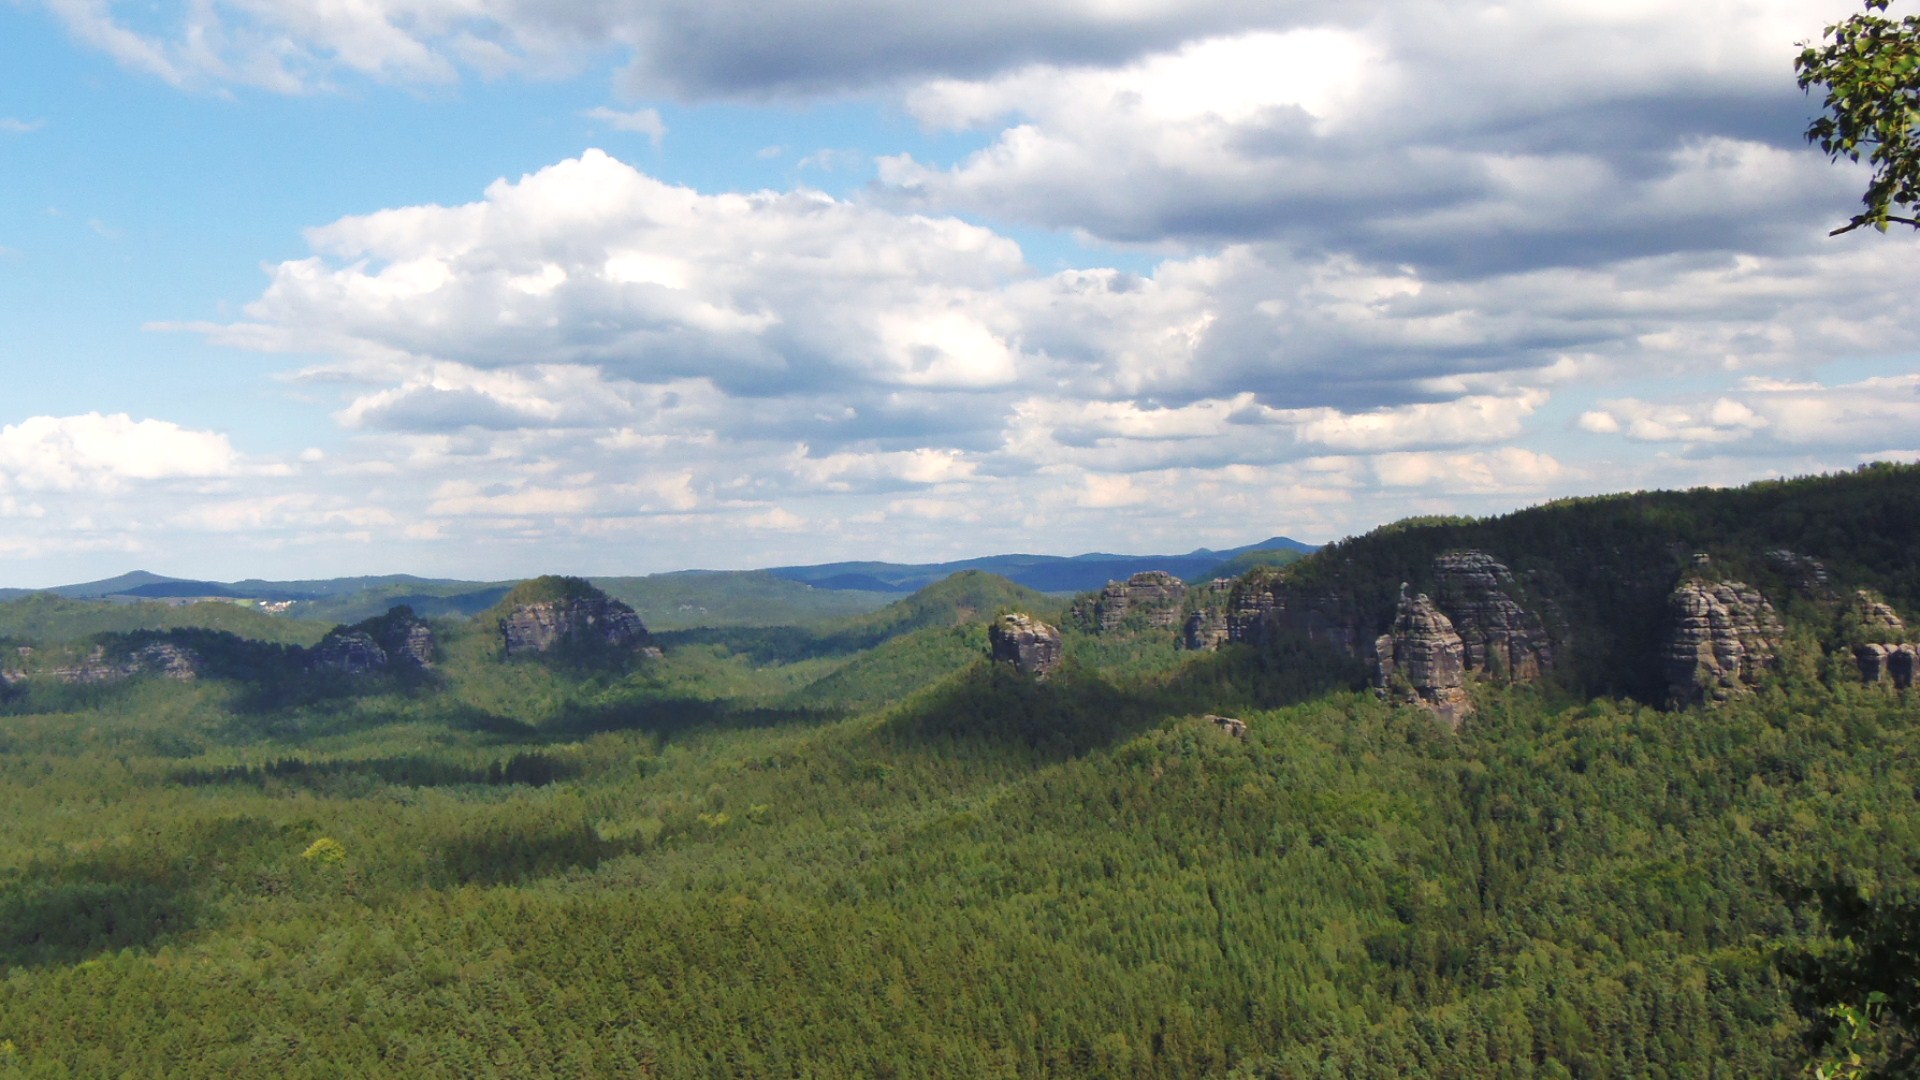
1421,660
552,612
1723,637
1503,640
1265,605
1159,596
1031,646
1206,625
161,658
397,639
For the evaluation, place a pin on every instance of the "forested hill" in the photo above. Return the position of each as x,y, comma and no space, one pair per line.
1555,794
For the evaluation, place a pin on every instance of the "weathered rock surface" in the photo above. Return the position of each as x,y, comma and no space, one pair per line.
1805,574
1723,637
1265,607
1228,725
398,638
353,652
1877,616
598,621
1887,664
1502,639
154,658
1421,660
1160,596
1031,646
1206,626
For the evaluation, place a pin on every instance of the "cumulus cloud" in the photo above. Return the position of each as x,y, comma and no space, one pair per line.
105,453
1463,139
1770,415
639,121
728,48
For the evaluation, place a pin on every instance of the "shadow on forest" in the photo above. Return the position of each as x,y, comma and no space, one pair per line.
1078,711
63,922
533,769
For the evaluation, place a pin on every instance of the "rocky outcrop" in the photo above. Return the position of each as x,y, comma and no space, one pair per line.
1265,607
397,639
352,652
1886,659
1157,595
1804,574
1723,637
1031,646
594,621
1887,664
1422,660
160,658
1503,640
1206,625
1228,725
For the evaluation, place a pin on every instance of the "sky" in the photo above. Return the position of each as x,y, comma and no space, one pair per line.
493,288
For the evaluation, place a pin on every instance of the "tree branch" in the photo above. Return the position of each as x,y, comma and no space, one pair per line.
1864,220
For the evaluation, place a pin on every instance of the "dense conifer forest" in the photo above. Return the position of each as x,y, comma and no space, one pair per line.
857,847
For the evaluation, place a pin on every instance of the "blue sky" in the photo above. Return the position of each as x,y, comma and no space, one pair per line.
491,289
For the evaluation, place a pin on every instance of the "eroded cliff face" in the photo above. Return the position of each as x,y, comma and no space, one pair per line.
1206,625
1156,594
1890,660
1031,646
1503,640
1723,638
594,621
1421,660
396,639
1265,607
160,658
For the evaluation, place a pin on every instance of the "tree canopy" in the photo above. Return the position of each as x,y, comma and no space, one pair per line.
1870,67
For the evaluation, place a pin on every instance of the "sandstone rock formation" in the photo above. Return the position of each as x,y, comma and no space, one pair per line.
1031,646
1503,640
1421,660
1888,659
1206,626
398,638
1265,606
1228,725
1889,664
1159,595
154,658
1805,574
1723,636
582,617
353,652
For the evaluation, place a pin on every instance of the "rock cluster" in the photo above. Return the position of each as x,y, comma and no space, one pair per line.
1031,646
1265,607
1206,625
1891,660
592,620
1804,573
1503,640
154,658
1723,636
1228,725
1160,596
1421,659
396,638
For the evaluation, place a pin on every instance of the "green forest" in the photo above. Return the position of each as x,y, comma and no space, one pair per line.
856,846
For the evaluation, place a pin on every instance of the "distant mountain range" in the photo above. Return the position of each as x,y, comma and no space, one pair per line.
341,597
1047,573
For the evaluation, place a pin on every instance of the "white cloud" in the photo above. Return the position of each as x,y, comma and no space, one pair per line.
1774,414
640,121
104,453
12,126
